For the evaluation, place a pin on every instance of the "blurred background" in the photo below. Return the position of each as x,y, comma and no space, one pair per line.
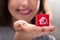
54,5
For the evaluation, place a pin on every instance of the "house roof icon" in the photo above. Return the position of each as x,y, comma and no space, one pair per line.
43,21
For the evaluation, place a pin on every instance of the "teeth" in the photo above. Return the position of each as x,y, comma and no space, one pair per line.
24,11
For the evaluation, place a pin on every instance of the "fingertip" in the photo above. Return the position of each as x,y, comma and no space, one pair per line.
52,29
17,25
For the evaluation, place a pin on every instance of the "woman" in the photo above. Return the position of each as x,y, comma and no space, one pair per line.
19,15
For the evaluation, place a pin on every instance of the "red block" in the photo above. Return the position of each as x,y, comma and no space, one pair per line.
42,20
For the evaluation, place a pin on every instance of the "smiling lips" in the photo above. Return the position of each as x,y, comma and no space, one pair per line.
24,12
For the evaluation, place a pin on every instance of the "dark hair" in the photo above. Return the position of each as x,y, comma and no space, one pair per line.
5,17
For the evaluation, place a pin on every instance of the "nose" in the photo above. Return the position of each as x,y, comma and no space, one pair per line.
24,4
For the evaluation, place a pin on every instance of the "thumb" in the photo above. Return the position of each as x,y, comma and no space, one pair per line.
18,25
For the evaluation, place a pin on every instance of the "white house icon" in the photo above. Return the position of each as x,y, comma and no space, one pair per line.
43,20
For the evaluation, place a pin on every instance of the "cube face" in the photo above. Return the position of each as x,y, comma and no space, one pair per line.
42,20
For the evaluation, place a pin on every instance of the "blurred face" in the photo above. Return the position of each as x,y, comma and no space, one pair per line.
23,9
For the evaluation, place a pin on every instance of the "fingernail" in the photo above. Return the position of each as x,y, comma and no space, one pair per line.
43,30
51,30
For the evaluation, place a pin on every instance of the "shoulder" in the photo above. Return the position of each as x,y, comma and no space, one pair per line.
45,37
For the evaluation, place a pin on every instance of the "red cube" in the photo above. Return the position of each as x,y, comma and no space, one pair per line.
42,20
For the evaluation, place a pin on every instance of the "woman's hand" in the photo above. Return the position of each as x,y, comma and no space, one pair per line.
26,31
